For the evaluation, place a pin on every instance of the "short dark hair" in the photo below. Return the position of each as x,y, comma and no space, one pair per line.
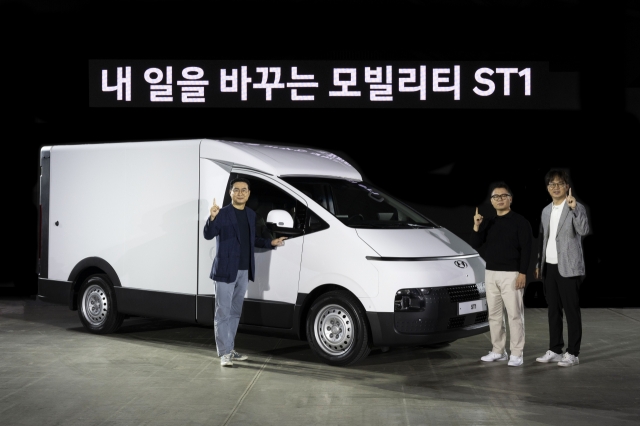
557,173
240,179
497,185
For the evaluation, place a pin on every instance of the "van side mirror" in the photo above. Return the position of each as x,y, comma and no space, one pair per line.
281,218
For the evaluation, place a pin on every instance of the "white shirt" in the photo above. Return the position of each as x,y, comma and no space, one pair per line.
551,254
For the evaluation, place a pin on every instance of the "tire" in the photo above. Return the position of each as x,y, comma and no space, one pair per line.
97,307
337,329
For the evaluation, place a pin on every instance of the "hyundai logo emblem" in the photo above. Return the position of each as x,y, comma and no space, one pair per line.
460,263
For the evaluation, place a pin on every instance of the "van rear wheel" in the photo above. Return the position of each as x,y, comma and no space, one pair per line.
97,305
337,329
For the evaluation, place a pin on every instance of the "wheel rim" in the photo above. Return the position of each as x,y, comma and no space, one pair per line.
95,305
334,331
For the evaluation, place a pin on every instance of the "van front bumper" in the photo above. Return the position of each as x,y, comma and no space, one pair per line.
444,329
443,315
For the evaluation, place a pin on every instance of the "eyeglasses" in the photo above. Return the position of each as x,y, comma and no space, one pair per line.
556,184
242,191
500,197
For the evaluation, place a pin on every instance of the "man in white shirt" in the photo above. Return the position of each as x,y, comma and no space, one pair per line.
563,224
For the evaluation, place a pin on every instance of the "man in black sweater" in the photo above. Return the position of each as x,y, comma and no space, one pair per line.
507,250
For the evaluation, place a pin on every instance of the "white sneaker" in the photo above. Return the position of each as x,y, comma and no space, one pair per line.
515,361
225,360
550,356
568,360
493,356
238,356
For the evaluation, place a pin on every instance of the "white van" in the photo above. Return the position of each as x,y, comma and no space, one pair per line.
121,235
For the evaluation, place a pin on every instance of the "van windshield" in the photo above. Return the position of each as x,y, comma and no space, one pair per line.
359,204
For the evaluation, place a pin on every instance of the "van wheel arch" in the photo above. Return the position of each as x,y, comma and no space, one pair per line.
312,297
85,268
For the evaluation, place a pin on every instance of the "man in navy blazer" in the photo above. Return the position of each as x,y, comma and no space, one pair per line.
234,265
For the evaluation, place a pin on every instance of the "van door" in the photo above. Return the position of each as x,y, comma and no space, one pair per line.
271,298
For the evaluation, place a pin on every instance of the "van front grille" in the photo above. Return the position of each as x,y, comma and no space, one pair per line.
463,293
481,317
456,322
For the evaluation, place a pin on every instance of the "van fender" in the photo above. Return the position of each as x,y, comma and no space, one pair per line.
84,268
339,280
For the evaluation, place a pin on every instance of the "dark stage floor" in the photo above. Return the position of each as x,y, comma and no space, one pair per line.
160,372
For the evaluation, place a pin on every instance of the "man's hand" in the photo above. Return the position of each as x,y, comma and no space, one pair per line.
213,211
477,220
521,281
536,274
571,201
278,242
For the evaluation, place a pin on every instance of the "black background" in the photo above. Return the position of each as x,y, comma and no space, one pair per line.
440,161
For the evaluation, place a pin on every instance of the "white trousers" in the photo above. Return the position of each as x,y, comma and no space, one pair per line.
502,297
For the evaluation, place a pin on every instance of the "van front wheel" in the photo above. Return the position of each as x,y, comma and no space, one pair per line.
97,305
337,329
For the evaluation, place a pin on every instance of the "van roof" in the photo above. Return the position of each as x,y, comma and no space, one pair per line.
279,160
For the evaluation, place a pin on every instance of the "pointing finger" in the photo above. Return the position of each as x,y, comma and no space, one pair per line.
569,192
476,210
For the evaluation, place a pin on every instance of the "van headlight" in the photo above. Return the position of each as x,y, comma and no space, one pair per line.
410,299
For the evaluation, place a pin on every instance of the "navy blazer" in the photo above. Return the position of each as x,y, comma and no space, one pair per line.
225,227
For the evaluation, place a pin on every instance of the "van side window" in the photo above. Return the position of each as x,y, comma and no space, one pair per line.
315,223
318,192
266,197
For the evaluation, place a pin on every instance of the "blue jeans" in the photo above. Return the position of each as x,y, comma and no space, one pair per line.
229,298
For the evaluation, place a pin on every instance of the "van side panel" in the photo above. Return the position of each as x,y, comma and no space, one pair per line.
156,304
135,205
337,256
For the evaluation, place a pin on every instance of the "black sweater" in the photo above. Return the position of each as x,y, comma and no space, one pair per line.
507,242
245,239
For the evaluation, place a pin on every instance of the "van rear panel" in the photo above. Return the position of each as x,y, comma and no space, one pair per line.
43,225
48,290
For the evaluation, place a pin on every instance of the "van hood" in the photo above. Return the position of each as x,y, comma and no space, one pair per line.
428,242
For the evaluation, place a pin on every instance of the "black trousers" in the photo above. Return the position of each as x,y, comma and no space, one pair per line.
563,293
